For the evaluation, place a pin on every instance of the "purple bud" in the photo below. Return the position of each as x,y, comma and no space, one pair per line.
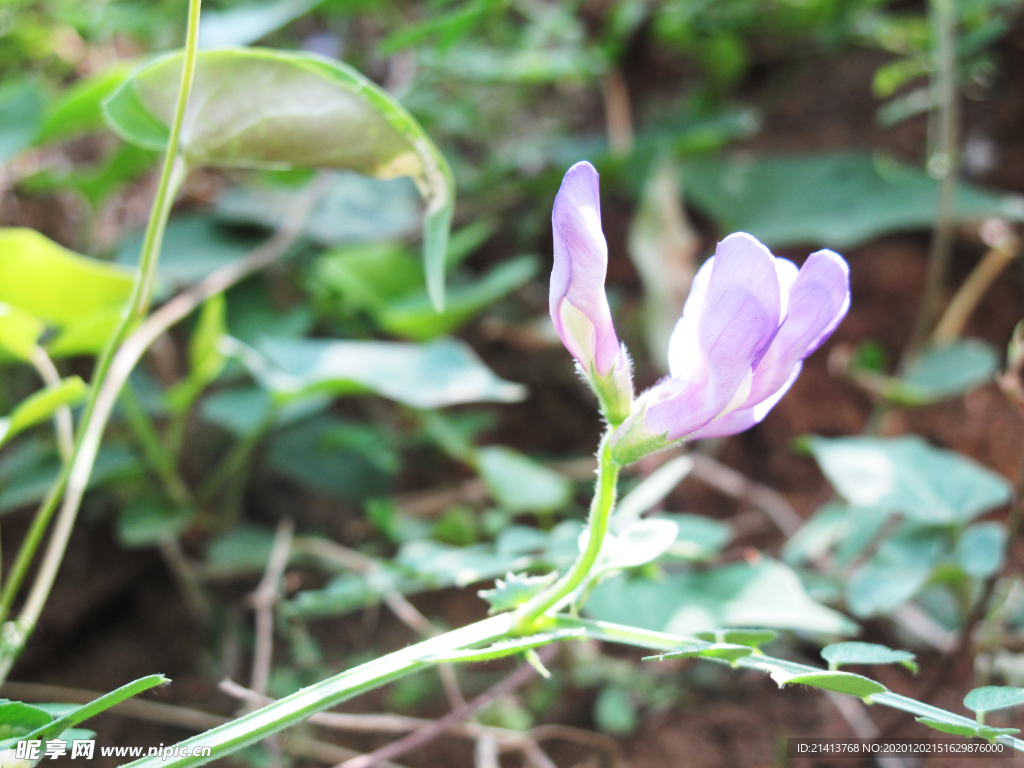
579,307
748,324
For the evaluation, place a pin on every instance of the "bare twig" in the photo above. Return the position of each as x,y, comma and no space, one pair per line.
1003,249
427,734
63,425
263,600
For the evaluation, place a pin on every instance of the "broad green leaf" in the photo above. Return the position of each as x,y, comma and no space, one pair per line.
206,358
532,66
508,647
944,372
754,638
990,698
415,318
245,24
245,410
262,108
766,594
82,297
21,113
432,375
19,331
520,484
651,491
840,682
615,711
855,197
354,209
147,521
907,476
901,567
78,109
96,181
980,549
364,278
839,654
698,537
18,719
514,590
642,542
728,651
40,406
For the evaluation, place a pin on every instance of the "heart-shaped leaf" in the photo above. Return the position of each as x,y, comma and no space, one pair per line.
261,108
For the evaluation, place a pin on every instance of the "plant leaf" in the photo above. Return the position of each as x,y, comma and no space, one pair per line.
728,651
990,698
840,682
520,484
41,405
262,108
839,654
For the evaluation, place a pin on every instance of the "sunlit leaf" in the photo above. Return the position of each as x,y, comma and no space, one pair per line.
431,375
19,331
840,682
754,638
651,491
515,590
839,654
81,296
520,484
78,109
990,698
40,406
640,543
245,24
262,108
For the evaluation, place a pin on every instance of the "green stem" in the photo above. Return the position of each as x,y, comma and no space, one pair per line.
159,458
600,512
293,709
171,175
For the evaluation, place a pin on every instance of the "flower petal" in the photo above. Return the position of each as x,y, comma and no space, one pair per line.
580,266
818,301
743,419
720,337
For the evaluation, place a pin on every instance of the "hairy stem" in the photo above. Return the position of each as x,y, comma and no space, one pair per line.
75,475
600,512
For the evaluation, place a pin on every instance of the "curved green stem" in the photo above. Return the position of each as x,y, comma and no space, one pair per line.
600,512
293,709
78,469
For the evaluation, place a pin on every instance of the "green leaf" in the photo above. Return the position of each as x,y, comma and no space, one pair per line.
206,358
991,698
981,548
21,113
903,564
354,209
93,708
19,331
83,297
520,484
910,477
78,109
727,651
615,711
431,375
514,590
856,197
944,372
954,728
18,719
765,594
41,405
699,538
839,654
642,542
753,638
507,647
146,521
245,24
840,682
262,108
415,318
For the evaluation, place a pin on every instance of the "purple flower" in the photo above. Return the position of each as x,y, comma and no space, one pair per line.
748,324
577,301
